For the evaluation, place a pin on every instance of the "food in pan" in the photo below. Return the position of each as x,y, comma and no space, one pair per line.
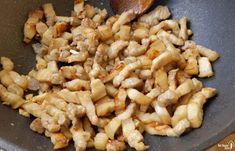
101,81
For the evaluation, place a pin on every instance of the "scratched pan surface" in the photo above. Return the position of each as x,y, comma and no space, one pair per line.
213,24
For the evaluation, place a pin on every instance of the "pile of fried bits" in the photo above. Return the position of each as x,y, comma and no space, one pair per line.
104,80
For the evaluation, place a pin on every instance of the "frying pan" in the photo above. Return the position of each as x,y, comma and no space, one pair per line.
213,23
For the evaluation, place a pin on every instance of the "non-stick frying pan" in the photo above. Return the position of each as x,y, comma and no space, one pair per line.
213,23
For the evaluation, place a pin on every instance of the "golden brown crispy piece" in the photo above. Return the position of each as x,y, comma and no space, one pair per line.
30,25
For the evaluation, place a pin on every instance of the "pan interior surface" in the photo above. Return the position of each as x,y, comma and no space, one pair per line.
213,26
